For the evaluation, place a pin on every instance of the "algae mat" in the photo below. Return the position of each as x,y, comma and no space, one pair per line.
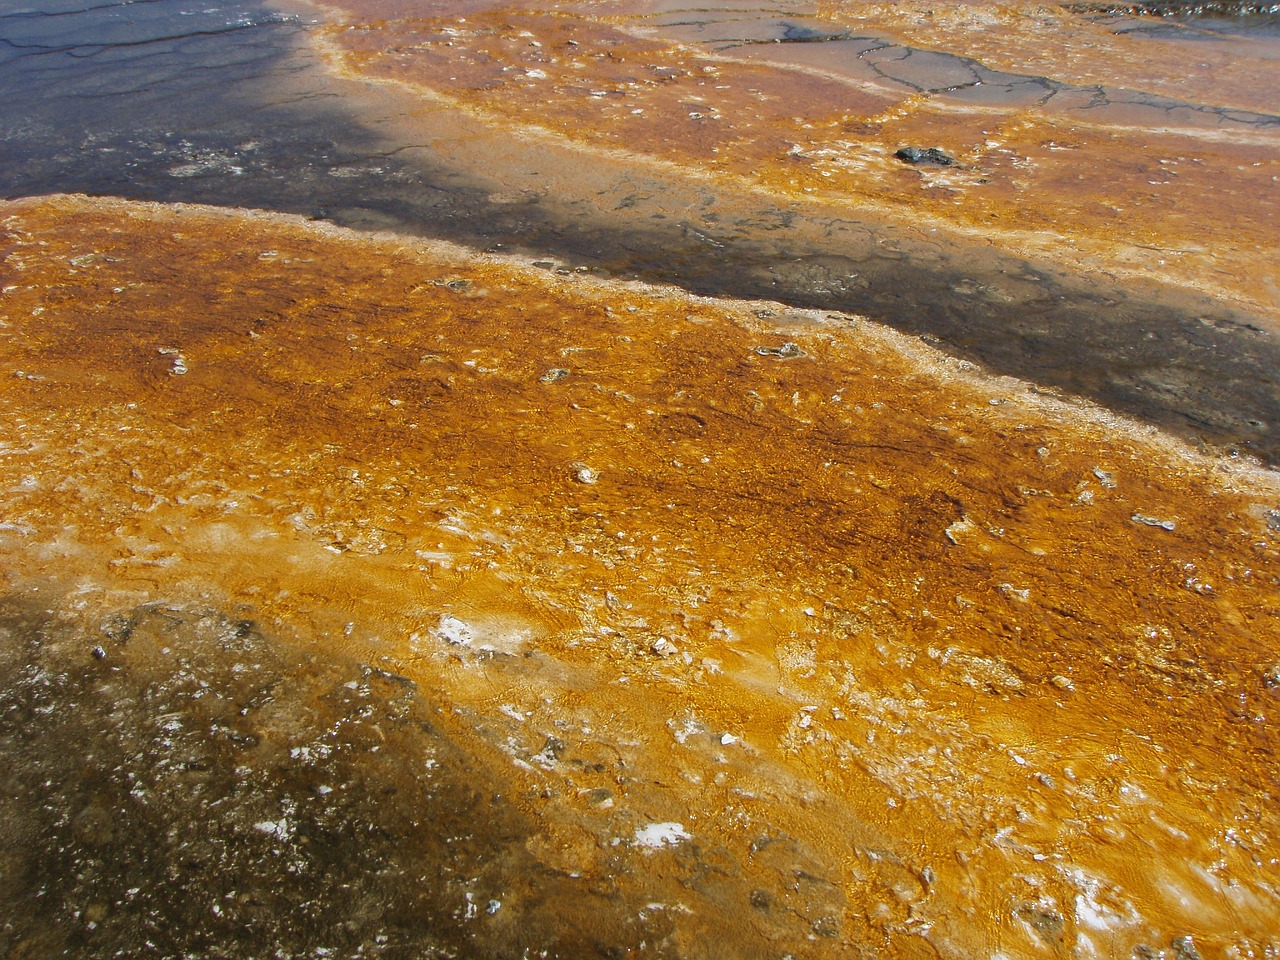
368,597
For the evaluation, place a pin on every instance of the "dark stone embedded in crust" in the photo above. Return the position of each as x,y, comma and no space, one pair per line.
924,155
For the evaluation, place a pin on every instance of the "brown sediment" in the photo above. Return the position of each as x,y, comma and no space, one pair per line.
1110,178
920,661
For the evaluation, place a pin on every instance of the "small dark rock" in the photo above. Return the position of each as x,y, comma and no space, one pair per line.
919,155
98,653
761,900
1184,948
1271,678
788,351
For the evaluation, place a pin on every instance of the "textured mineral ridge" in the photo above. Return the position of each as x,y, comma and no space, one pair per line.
846,647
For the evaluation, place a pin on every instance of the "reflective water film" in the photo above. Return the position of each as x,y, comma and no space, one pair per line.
628,479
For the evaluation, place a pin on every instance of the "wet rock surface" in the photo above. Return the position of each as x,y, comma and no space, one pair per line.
916,155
